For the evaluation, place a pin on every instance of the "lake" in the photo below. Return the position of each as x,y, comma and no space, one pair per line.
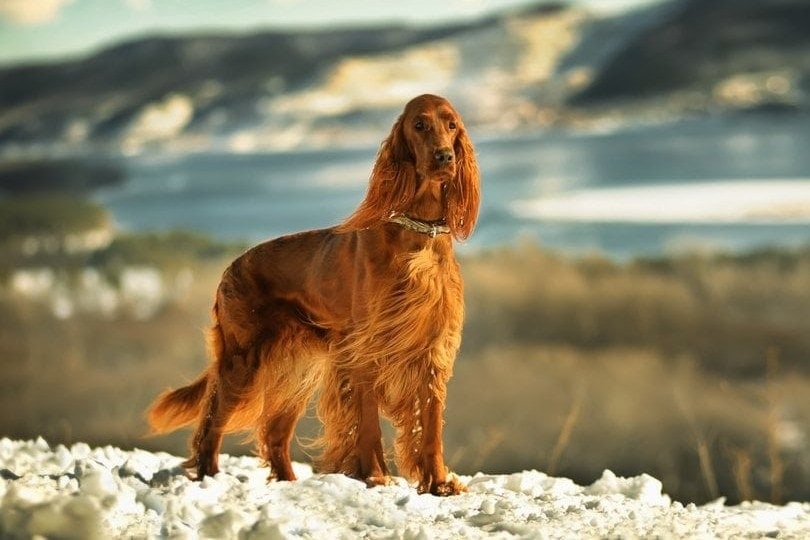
732,183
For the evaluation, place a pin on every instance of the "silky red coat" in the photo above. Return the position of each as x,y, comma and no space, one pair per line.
368,313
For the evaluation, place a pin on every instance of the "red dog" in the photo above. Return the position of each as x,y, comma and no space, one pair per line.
368,312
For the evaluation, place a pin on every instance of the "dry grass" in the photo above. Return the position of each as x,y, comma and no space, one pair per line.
567,366
724,313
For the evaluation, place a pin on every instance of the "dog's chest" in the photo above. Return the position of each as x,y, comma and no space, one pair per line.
427,293
416,316
428,272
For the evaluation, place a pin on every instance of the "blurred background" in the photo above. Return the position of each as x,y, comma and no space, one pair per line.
638,288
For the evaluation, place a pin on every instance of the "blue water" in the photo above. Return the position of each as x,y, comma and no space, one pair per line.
259,196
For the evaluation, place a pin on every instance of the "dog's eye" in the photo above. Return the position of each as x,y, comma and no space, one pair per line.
452,125
420,125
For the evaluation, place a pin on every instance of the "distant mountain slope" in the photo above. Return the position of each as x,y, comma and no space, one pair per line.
285,89
743,52
538,67
224,75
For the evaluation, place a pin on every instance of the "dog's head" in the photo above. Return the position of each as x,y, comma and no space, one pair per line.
428,143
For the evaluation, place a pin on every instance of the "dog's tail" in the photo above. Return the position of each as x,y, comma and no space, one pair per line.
174,409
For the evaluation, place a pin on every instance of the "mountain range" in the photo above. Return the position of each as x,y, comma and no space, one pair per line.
551,65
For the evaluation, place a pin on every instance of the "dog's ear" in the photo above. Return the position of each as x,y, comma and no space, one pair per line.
392,186
464,191
395,149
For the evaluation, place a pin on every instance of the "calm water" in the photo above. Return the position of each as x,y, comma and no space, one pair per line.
254,197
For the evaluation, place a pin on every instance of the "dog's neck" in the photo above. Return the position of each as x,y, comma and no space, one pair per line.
426,213
429,203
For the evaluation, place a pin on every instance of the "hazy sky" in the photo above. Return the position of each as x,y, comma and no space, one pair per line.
39,29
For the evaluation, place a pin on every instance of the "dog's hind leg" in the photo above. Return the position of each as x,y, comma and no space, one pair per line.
229,390
291,372
275,438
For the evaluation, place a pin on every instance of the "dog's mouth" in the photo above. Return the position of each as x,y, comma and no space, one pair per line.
439,171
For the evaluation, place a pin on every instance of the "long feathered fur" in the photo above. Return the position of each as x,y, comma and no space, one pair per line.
368,313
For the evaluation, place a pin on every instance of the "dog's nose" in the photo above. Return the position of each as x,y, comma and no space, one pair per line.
443,156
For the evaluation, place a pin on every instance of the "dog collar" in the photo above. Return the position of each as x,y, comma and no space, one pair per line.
424,227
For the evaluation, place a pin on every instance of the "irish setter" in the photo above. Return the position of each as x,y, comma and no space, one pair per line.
368,312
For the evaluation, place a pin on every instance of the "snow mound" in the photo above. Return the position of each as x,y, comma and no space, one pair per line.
83,492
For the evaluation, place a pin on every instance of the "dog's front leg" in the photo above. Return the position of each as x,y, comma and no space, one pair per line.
370,455
352,438
434,475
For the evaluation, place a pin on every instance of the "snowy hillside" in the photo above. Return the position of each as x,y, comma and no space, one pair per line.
80,492
279,90
550,64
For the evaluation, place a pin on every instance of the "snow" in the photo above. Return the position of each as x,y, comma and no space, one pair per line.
140,291
83,492
720,201
159,121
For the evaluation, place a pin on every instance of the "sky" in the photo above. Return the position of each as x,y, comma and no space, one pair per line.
39,30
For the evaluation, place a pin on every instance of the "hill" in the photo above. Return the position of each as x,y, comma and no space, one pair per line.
548,65
738,53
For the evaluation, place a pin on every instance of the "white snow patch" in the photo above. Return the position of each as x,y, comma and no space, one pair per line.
159,121
79,492
33,283
141,291
142,288
723,201
388,81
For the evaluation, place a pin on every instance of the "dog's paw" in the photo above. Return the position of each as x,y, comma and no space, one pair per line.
450,486
197,468
373,481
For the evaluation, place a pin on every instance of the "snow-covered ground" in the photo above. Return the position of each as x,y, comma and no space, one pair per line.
82,492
